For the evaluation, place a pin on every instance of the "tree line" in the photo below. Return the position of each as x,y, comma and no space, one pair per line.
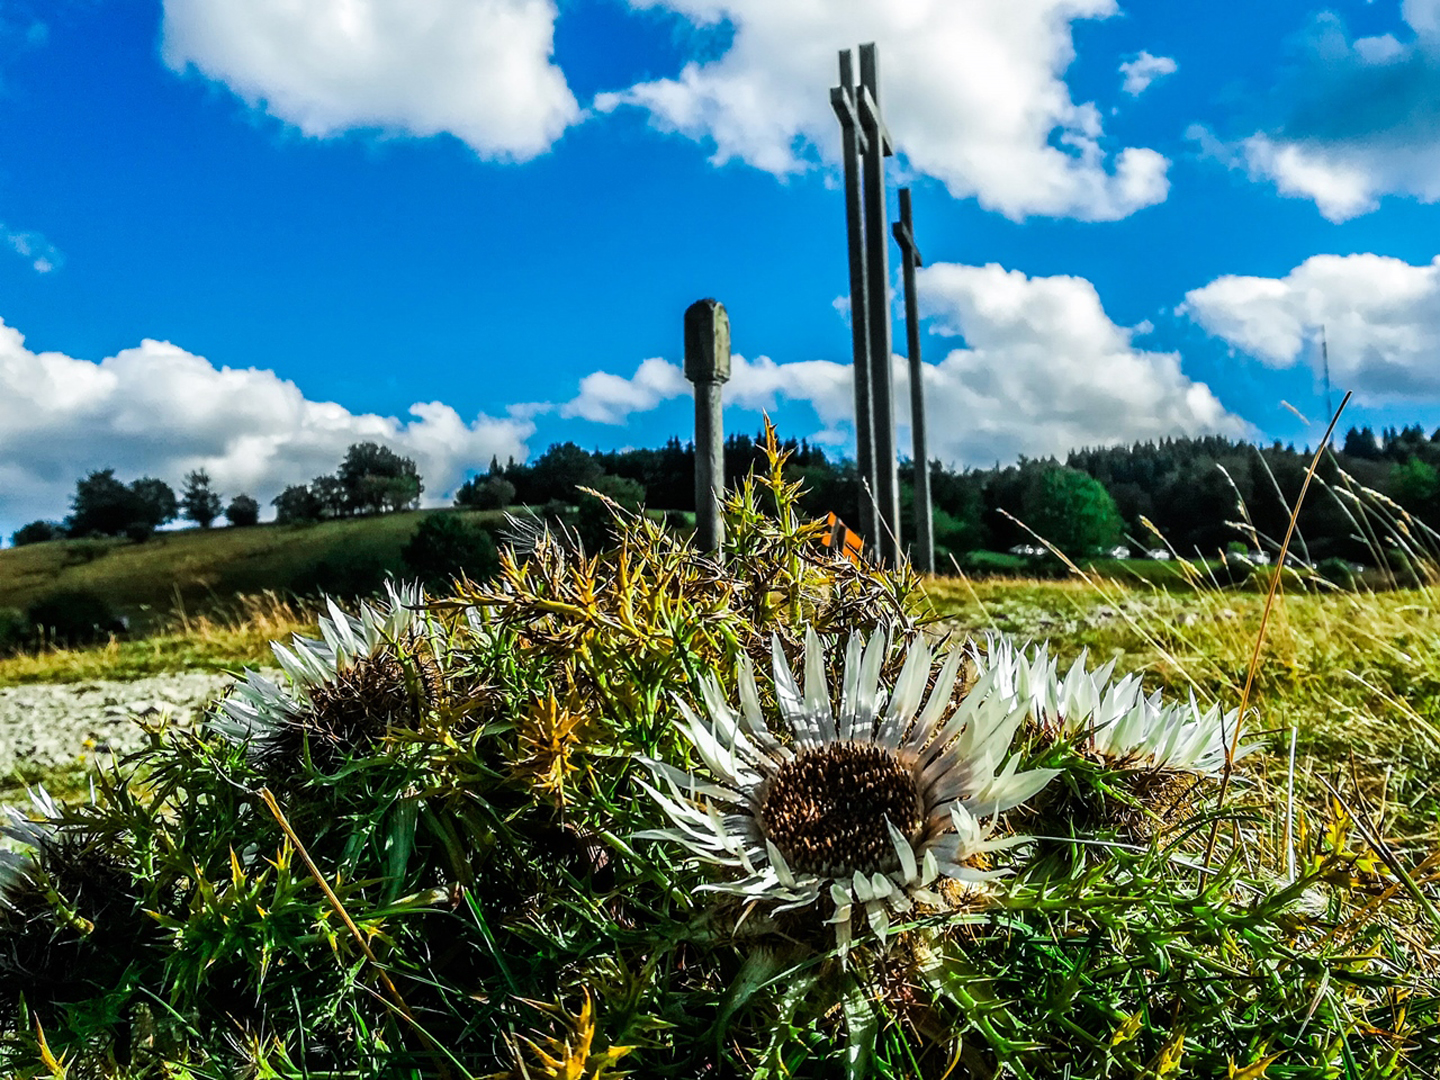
1191,490
1188,490
371,479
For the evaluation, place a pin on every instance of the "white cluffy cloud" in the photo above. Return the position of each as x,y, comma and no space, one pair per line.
1044,370
478,69
758,384
1381,318
1360,119
973,93
160,411
1144,70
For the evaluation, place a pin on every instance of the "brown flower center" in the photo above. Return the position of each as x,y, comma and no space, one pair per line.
825,810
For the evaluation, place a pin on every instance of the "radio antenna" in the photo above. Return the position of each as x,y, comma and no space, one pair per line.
1325,358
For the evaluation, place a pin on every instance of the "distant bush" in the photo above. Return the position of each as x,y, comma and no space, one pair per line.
1337,571
37,532
242,511
296,504
593,519
447,544
345,574
15,631
73,617
486,493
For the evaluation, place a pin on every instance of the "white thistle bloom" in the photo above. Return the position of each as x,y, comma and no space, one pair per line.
258,707
1118,720
870,806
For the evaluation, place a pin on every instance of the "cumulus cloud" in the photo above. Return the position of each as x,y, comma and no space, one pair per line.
758,384
161,411
478,69
610,399
1359,119
973,93
1144,70
43,256
1043,370
1381,318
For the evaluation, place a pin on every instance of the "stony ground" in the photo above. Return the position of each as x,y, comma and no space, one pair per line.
46,727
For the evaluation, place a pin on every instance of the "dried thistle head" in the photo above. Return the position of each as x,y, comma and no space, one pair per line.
549,736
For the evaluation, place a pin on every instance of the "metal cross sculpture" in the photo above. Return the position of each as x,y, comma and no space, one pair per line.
852,144
924,550
863,129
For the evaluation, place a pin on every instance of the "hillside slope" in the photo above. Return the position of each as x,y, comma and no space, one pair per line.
203,568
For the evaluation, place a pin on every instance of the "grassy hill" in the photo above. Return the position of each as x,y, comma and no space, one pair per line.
204,569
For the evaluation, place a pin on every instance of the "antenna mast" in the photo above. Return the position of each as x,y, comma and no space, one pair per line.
1325,356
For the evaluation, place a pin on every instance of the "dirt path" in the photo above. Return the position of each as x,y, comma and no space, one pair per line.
49,726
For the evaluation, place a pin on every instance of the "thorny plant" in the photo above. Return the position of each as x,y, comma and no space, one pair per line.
490,906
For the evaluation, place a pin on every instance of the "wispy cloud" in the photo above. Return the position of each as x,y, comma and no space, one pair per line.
44,256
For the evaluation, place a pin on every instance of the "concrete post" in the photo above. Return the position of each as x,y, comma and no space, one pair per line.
707,365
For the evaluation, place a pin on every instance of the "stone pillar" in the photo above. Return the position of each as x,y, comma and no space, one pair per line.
707,365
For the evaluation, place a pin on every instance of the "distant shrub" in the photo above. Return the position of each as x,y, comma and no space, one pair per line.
344,574
15,631
593,519
73,617
1337,571
37,532
486,493
448,544
296,504
242,511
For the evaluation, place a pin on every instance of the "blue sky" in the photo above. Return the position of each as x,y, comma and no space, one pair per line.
243,234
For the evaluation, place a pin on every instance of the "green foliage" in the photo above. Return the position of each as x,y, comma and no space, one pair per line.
1416,486
200,503
1071,510
377,479
296,505
36,532
72,618
467,791
485,493
243,511
447,545
103,506
593,516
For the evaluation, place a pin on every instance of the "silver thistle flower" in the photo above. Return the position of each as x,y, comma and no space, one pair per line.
257,708
1118,721
870,806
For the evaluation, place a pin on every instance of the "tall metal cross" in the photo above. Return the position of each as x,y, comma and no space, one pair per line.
877,272
923,554
852,144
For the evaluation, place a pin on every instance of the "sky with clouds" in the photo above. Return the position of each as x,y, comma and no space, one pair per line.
244,234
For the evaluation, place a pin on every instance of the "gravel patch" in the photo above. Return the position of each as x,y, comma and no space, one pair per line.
53,725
